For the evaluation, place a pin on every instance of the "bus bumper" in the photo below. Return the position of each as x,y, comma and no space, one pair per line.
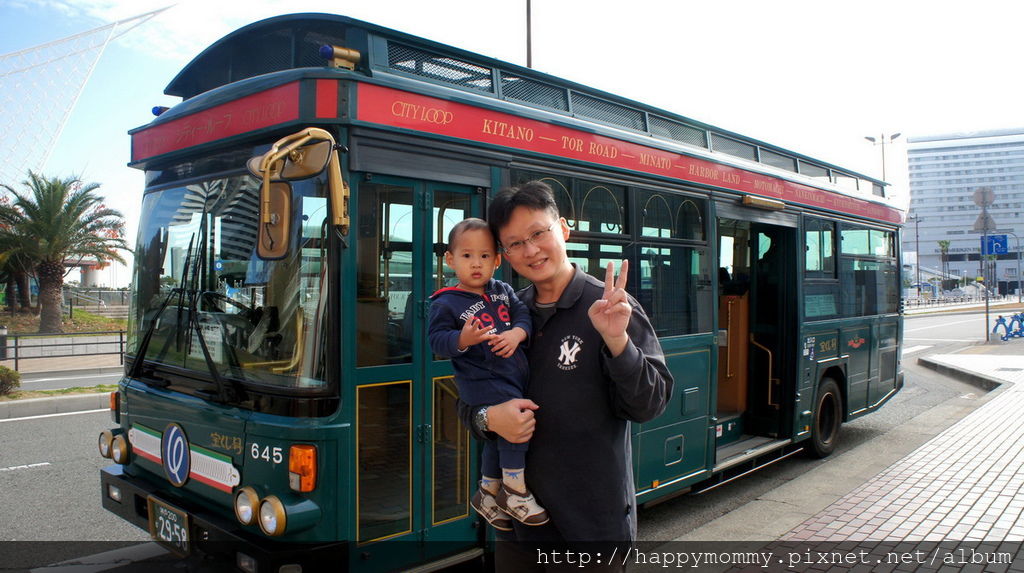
210,534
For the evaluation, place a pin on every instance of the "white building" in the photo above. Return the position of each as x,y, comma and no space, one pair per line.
946,172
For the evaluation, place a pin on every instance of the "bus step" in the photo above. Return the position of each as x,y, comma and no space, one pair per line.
729,428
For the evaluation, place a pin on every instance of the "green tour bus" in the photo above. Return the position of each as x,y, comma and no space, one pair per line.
280,405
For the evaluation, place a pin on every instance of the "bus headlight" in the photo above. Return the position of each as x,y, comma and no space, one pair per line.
294,514
246,504
272,516
119,449
106,437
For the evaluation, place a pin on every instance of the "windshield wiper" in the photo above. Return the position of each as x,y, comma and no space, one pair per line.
140,354
228,390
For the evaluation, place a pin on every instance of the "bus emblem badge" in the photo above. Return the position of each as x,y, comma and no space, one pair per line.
175,454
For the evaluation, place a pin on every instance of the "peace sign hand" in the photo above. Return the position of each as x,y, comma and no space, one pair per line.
610,314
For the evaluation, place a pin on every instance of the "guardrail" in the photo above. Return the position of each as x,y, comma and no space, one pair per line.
34,346
912,303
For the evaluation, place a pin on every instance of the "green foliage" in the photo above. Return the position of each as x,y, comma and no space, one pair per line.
54,220
10,380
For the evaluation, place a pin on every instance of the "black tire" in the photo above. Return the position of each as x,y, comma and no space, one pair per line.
828,418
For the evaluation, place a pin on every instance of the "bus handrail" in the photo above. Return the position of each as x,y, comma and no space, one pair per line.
771,381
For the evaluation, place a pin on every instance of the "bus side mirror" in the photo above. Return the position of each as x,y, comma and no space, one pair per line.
275,220
276,169
300,155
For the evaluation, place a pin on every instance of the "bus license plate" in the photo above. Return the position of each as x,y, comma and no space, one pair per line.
169,526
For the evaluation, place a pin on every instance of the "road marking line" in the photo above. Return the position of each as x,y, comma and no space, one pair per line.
907,351
24,467
54,415
943,339
975,319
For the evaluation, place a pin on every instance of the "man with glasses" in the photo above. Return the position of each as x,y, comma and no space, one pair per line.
595,366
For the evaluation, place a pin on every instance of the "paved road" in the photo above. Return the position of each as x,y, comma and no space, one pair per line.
55,381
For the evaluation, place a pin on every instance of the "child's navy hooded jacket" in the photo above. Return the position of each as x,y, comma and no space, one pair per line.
482,376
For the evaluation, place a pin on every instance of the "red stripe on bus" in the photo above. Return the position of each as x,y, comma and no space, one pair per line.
256,111
327,98
148,456
210,482
396,108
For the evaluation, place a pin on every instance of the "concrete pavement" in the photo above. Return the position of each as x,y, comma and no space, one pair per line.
951,479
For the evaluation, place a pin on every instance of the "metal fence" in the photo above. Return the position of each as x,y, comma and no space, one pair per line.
912,303
20,347
78,296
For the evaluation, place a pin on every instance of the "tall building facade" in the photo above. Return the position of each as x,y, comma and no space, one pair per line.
946,174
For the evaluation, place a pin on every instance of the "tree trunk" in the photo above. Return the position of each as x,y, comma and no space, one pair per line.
24,296
10,290
51,285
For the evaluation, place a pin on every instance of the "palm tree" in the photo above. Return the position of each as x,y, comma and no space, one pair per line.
55,220
944,249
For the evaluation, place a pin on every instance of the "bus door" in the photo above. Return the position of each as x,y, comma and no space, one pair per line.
413,465
772,328
755,305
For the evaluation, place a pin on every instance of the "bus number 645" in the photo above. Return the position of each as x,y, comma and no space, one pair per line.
267,454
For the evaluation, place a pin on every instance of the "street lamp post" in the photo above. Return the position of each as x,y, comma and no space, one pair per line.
882,141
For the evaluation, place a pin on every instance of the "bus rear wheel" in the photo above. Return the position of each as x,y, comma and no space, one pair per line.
828,417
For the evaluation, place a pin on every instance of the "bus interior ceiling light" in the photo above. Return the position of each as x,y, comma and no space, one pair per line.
763,203
340,57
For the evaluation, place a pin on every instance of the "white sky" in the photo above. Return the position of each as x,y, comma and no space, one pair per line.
812,76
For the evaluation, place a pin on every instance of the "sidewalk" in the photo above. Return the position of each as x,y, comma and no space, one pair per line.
963,487
63,365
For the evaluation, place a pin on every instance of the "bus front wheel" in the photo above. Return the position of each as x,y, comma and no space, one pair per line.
828,417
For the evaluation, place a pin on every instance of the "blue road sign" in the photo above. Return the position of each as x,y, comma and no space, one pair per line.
996,245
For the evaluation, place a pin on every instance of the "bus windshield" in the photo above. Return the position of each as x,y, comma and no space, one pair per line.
199,282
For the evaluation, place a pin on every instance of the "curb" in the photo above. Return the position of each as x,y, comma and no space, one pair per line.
56,405
982,381
30,376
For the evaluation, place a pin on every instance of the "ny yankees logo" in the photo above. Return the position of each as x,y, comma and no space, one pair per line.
571,346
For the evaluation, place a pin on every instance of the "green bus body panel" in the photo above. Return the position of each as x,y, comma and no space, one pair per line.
672,448
252,441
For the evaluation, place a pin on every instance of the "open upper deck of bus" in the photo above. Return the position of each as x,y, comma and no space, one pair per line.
292,42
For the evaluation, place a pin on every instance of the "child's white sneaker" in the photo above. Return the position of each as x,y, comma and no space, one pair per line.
521,506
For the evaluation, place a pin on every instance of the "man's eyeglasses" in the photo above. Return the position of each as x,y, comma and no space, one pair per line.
535,238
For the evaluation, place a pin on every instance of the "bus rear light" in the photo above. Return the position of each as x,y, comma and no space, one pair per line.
302,467
246,504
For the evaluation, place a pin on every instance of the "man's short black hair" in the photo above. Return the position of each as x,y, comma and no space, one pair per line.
535,195
464,225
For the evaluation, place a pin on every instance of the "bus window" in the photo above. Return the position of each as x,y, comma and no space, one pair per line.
675,289
670,216
819,248
601,208
259,320
383,275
